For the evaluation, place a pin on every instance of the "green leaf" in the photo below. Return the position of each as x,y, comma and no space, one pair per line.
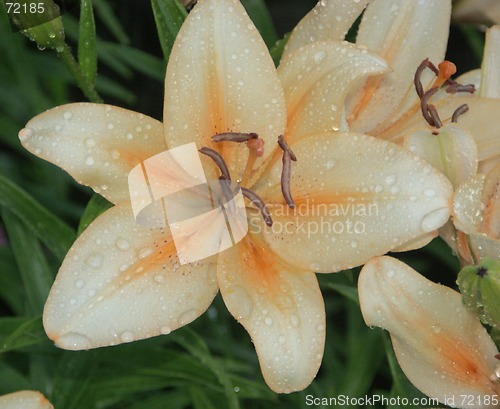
26,332
193,343
169,16
347,291
11,286
278,48
258,12
200,399
33,265
115,90
96,206
106,14
87,43
51,230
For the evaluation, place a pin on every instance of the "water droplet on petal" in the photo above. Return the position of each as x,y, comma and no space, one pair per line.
188,316
79,283
94,260
127,336
122,244
330,164
391,179
89,160
429,192
436,329
74,341
67,115
435,219
145,252
90,142
268,321
319,57
165,330
391,273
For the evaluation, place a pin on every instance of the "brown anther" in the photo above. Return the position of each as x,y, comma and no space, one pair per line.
418,75
462,109
497,356
256,146
446,70
429,111
219,161
455,87
286,174
234,137
259,203
225,186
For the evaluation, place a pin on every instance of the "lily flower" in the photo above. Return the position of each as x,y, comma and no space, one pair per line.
404,33
25,400
319,200
441,346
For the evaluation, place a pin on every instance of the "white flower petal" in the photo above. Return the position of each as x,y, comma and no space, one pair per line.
442,348
356,197
316,80
122,282
24,400
404,33
96,144
221,78
490,81
328,21
281,308
452,152
468,206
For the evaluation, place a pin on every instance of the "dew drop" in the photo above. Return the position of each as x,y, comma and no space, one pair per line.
319,57
295,320
159,279
90,142
391,179
429,192
74,341
354,244
67,115
127,336
79,283
25,133
122,244
391,273
94,260
436,329
187,317
330,164
268,321
115,154
435,219
145,252
110,126
165,330
89,161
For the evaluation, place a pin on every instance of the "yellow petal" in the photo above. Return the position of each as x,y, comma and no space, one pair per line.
490,82
356,197
24,400
122,282
404,33
442,348
328,21
452,152
96,144
221,78
316,80
281,308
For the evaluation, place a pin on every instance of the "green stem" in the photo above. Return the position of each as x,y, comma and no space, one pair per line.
82,82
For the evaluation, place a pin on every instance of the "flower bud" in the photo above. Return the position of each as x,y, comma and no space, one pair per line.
39,21
480,288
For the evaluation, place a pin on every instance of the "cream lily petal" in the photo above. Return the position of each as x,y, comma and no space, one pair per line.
122,282
356,197
404,33
282,309
468,206
417,243
442,348
452,152
221,78
316,80
330,20
490,83
25,400
96,144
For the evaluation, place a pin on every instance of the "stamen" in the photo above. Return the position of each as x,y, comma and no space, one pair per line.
234,137
256,148
259,203
418,75
462,109
219,161
497,356
446,70
286,173
455,87
429,111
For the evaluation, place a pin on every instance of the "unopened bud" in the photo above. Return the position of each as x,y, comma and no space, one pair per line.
40,21
480,288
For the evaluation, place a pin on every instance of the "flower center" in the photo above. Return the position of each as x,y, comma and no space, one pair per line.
444,71
255,146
